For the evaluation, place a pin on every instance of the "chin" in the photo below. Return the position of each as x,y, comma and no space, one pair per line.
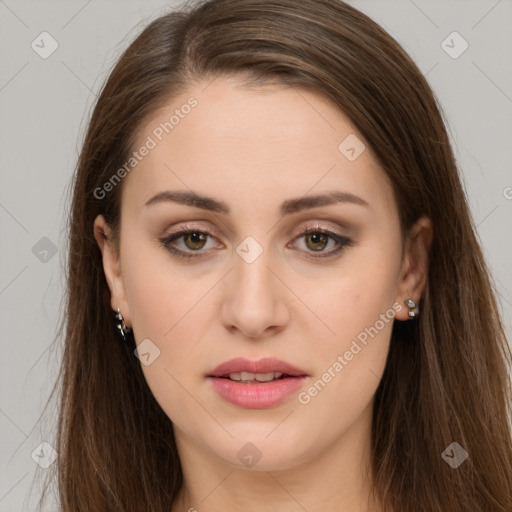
260,452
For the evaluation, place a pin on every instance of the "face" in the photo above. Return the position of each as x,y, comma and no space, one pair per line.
255,229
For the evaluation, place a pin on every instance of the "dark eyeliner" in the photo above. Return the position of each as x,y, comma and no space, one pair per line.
166,241
342,242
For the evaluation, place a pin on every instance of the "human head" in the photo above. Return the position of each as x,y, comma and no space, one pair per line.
333,51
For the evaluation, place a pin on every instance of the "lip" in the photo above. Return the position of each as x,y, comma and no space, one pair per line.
265,365
256,395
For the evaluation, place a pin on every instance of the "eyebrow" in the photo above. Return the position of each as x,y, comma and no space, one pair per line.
287,207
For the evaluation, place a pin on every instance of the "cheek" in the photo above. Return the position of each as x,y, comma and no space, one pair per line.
362,289
168,308
350,364
360,315
159,294
358,308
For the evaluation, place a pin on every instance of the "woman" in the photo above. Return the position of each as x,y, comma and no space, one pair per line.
276,297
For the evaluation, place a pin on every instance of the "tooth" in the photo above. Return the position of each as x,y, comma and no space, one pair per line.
264,377
250,377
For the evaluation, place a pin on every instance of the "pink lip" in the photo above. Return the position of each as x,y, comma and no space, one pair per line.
258,395
265,365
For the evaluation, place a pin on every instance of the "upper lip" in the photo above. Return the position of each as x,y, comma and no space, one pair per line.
265,365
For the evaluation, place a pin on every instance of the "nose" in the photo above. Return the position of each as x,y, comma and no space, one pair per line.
254,301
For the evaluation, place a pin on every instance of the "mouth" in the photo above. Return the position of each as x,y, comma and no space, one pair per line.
255,378
263,370
256,384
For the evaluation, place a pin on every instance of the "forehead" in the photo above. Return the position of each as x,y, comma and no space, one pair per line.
225,139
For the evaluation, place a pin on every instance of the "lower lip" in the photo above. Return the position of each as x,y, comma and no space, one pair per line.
256,396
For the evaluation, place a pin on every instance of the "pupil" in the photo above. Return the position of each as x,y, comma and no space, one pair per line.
196,238
318,238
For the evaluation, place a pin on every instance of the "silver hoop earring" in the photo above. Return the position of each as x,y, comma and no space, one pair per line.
413,308
121,326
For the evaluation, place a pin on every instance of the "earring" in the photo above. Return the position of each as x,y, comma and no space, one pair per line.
413,308
123,328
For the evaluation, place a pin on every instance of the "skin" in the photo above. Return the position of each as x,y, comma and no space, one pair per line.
254,148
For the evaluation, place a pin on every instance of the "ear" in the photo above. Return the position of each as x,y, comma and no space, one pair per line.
414,271
111,267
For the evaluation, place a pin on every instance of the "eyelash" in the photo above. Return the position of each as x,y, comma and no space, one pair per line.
342,242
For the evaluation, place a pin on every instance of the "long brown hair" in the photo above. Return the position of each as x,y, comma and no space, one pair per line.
446,378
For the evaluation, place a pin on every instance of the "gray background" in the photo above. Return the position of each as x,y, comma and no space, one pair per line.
44,105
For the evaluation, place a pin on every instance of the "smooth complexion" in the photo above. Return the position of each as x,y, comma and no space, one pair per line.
301,300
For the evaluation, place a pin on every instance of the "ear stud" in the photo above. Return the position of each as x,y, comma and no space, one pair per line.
413,308
121,326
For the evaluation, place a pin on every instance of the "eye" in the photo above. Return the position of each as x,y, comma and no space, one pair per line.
317,239
193,240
